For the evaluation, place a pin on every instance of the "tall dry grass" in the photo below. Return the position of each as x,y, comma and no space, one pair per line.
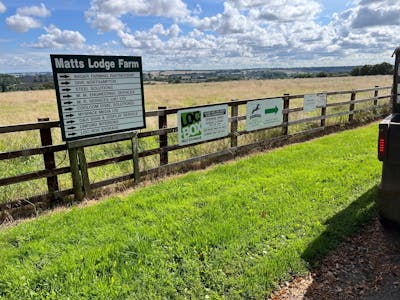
24,107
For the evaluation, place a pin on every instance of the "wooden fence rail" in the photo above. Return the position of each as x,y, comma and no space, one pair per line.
165,146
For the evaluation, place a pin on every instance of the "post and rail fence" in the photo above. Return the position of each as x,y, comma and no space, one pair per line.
294,124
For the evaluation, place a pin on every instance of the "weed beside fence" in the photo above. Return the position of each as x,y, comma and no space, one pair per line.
35,168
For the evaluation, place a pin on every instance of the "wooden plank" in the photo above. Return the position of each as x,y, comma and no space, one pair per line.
33,176
32,151
285,124
29,126
111,138
33,200
135,157
352,106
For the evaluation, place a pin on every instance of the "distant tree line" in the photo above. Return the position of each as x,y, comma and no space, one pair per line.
25,83
7,82
379,69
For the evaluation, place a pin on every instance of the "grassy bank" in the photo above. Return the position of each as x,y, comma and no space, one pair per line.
233,231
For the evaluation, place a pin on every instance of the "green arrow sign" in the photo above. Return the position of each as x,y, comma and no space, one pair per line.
271,110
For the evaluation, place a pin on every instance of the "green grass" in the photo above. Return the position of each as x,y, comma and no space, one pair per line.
231,232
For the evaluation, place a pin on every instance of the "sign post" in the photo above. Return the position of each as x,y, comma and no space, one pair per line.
96,96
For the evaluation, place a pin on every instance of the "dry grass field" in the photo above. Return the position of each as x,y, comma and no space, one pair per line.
25,107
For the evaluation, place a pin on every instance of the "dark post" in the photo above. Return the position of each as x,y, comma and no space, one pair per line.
352,106
376,95
135,157
323,114
49,160
234,124
75,174
163,137
84,172
285,126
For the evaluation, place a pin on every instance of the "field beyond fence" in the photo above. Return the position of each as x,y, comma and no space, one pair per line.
35,168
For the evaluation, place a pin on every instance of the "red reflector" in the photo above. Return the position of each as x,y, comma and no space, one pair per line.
381,146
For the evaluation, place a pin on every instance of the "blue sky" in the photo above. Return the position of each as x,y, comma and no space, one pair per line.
203,34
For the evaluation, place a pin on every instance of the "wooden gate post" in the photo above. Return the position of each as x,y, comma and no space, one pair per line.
285,126
84,172
376,95
135,157
76,176
234,124
49,160
352,106
163,138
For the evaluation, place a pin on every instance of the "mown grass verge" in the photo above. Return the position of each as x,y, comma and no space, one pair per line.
230,232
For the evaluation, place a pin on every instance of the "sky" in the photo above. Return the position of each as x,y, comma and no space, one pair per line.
200,34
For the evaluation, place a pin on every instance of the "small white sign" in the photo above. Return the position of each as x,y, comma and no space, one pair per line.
310,102
264,114
321,100
201,124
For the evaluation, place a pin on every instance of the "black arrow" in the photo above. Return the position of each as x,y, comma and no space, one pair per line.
65,83
70,115
67,96
68,109
64,76
70,122
73,127
65,90
72,133
68,102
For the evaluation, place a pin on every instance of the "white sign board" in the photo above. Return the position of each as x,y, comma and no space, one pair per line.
201,124
264,114
310,102
321,100
98,95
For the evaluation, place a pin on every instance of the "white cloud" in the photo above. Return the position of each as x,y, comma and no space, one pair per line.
115,9
24,19
3,8
36,11
21,23
60,39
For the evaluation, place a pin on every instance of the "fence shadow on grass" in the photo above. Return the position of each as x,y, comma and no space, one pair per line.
363,266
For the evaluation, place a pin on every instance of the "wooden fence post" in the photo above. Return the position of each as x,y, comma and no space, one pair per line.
285,127
234,124
163,138
376,95
135,157
352,106
323,114
84,172
76,176
49,160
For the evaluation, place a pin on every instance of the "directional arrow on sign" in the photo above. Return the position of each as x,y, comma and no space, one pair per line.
73,127
64,76
68,102
70,122
65,82
67,96
66,90
69,116
271,110
68,109
72,133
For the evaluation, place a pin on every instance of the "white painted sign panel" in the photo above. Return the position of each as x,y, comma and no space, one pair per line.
201,124
98,95
310,102
264,114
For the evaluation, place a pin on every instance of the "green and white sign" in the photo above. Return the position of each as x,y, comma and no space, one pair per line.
264,114
201,124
